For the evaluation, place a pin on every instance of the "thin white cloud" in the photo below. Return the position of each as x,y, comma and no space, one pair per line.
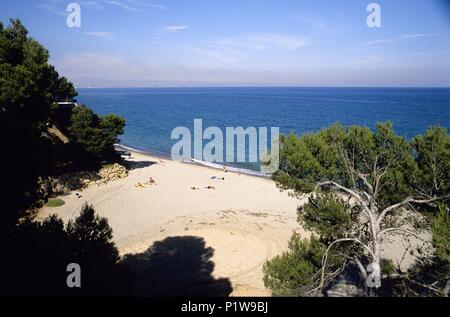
134,5
210,56
315,22
224,52
176,28
327,23
91,64
53,7
122,5
372,59
140,3
102,69
381,41
264,41
100,34
91,4
277,40
398,38
59,6
417,35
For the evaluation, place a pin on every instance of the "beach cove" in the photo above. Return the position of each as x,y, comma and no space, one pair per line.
210,230
242,220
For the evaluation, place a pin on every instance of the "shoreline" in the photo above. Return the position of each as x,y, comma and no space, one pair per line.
143,152
214,166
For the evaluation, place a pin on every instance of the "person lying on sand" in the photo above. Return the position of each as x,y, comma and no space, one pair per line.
150,182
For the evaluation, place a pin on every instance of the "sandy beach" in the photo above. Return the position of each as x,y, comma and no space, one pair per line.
204,225
243,220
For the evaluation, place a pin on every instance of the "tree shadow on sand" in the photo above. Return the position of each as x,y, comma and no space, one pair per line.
175,267
133,165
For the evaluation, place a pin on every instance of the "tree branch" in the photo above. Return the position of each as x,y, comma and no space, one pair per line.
425,286
365,181
350,192
361,268
407,201
325,256
404,231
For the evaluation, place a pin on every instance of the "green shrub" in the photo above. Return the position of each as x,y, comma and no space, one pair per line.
293,272
441,233
387,266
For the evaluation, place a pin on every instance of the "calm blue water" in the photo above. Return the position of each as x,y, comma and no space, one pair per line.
152,113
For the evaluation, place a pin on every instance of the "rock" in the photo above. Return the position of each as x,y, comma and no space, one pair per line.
348,284
345,290
65,183
45,189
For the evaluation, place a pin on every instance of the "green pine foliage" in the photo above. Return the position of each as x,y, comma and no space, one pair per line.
49,246
354,157
433,159
327,215
94,135
294,272
29,90
441,235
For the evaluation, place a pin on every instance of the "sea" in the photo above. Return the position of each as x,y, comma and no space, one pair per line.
152,113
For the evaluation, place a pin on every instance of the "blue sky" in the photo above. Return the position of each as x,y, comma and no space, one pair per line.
243,43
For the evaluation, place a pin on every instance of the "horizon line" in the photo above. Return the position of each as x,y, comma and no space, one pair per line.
255,86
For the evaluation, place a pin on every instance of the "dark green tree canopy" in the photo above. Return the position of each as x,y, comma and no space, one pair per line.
29,91
49,246
95,135
432,154
358,158
28,84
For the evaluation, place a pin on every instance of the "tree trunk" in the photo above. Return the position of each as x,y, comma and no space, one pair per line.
374,279
446,289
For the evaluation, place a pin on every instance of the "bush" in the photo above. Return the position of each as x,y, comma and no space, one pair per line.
293,273
387,267
90,239
441,233
37,256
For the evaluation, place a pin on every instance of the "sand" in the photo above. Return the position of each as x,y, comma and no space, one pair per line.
243,220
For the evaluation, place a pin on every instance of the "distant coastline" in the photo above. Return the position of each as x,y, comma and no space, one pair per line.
258,86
